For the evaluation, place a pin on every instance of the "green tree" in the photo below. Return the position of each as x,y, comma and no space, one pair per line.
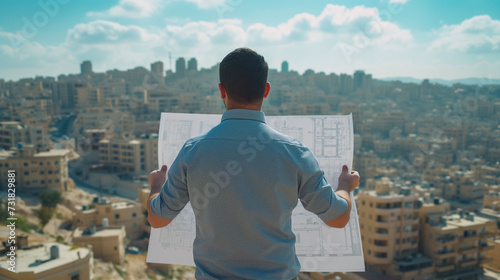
50,199
45,214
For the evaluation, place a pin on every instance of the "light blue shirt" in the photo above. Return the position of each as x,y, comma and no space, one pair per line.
243,180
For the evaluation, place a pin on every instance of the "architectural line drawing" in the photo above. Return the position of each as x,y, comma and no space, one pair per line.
318,247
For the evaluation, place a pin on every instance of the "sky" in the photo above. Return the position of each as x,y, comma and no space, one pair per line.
387,38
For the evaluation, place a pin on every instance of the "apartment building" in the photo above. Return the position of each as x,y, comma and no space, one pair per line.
127,214
49,261
108,243
107,118
389,232
494,255
12,133
457,243
37,171
132,156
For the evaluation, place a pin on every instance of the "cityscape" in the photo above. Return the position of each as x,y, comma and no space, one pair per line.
82,146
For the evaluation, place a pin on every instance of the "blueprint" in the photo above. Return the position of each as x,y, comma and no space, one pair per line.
318,246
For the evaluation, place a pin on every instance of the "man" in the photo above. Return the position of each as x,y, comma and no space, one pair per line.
243,180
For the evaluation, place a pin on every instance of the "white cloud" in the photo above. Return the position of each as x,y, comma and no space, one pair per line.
398,1
106,32
477,34
131,9
209,4
306,39
335,24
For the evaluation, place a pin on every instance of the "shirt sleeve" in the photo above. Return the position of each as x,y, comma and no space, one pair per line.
315,194
174,192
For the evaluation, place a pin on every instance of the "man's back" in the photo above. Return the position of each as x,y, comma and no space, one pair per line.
243,180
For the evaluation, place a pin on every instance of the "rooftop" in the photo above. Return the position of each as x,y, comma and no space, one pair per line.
53,153
37,259
98,232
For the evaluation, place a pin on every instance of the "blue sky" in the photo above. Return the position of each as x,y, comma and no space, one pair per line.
388,38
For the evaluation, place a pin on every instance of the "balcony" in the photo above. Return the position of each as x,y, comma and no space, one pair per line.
446,239
467,249
484,246
486,234
467,237
484,260
443,267
445,253
466,262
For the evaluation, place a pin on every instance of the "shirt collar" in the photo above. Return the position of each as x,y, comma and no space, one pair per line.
244,114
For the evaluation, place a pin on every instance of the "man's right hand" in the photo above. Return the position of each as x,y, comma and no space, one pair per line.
348,182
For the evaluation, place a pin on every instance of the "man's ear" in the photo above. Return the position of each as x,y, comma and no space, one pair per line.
223,92
268,88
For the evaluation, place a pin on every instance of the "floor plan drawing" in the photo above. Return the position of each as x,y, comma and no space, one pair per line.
318,247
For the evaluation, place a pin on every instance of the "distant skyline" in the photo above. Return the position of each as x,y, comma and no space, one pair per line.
387,38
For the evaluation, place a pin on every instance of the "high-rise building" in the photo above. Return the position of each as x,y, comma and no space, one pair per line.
157,72
358,80
389,231
345,84
284,67
86,67
192,65
180,66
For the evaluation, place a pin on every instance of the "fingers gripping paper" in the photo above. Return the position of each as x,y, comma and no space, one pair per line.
318,247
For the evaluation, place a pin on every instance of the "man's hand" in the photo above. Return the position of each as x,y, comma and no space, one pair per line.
156,179
348,182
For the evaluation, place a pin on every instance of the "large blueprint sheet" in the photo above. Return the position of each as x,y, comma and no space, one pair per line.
318,247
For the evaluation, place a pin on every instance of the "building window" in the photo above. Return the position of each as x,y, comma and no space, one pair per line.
117,216
116,248
40,163
75,277
134,215
25,164
42,172
26,173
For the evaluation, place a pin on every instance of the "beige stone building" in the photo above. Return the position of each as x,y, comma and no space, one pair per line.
134,156
11,133
494,255
492,200
108,243
389,232
49,261
113,121
143,196
127,214
457,243
40,171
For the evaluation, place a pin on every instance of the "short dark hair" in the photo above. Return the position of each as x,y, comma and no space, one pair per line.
243,73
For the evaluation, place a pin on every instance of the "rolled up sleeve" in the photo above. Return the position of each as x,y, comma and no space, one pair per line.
315,194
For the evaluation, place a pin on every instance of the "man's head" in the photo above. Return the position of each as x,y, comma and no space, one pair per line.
243,76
